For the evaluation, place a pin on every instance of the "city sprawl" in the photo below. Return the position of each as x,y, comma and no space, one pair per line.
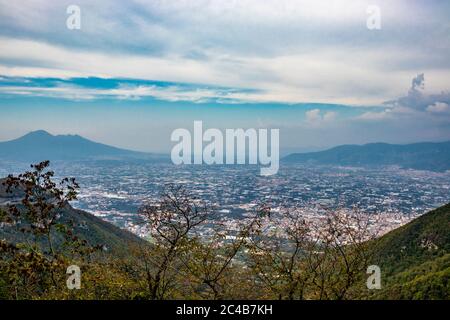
114,190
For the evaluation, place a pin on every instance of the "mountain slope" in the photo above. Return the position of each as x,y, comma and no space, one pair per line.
429,280
415,258
422,239
422,156
86,226
40,145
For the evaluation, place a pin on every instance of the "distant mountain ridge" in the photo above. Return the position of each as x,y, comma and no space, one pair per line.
41,145
433,156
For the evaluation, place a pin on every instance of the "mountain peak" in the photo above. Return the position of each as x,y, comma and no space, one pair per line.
38,133
42,134
40,145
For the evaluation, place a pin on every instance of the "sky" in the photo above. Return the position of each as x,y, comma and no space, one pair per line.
137,70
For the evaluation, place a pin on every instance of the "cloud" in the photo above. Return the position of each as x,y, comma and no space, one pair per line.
377,116
439,107
288,51
286,79
86,89
329,116
315,117
418,100
418,82
432,109
232,27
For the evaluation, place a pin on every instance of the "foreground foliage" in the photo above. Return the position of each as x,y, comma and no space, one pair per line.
266,256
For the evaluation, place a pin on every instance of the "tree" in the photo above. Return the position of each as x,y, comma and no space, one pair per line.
344,252
218,261
171,224
33,264
302,258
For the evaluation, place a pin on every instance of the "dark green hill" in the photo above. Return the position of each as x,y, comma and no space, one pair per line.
415,258
421,156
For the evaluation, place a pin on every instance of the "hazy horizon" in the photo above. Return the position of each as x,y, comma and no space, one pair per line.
283,151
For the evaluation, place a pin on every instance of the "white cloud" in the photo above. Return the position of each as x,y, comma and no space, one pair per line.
432,109
128,92
438,107
329,116
287,79
315,117
288,50
374,116
418,101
